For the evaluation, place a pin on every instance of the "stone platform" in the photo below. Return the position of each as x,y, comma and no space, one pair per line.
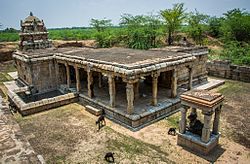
134,121
193,142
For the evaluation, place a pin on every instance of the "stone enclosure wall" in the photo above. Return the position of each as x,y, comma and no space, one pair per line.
227,70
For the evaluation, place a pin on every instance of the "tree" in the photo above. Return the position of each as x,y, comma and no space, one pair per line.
214,26
100,25
197,26
173,18
236,25
141,31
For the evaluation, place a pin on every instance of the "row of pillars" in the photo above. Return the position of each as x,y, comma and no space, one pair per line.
207,122
132,88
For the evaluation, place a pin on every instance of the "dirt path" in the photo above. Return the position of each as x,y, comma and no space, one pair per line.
69,134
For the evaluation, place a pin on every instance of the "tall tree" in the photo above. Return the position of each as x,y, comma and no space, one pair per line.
173,18
236,25
198,24
100,25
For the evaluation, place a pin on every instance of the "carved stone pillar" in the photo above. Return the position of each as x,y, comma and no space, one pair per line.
154,89
100,80
130,97
68,75
205,137
216,123
136,89
190,80
174,83
78,82
112,94
90,84
57,73
183,121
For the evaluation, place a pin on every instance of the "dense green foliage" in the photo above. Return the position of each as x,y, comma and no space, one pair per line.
142,32
231,31
197,26
237,53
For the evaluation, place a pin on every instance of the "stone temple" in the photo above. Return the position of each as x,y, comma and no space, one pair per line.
133,87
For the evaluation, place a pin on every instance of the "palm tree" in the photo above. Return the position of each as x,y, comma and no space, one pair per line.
174,18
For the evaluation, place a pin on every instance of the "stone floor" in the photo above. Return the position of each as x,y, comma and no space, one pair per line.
14,147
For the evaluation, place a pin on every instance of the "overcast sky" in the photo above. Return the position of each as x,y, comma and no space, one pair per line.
74,13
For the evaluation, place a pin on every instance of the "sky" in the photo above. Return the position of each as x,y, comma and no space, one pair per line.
78,13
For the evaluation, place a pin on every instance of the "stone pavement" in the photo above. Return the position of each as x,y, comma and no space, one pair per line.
14,147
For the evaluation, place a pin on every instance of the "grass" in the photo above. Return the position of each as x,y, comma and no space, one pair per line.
173,120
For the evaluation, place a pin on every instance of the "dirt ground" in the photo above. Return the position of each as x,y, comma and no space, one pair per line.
68,134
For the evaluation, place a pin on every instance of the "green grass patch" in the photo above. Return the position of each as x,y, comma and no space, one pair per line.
230,87
173,121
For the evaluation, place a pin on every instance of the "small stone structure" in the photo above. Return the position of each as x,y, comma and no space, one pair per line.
133,87
209,103
34,34
226,69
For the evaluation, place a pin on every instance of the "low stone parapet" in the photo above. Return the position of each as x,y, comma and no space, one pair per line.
226,69
41,105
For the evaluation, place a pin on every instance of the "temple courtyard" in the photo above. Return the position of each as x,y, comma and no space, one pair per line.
68,134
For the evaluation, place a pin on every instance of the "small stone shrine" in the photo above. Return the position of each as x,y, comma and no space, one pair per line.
198,136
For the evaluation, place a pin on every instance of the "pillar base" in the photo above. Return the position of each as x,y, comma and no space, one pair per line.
193,142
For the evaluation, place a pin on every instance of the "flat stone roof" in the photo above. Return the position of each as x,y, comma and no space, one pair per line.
202,97
112,55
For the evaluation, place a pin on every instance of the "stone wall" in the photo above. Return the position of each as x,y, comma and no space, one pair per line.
199,72
227,70
40,74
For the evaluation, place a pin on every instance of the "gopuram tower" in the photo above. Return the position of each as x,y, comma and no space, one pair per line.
34,34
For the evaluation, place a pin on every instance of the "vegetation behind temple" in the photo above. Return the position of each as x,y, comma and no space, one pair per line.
231,31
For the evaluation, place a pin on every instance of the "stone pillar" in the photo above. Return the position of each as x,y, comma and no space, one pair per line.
68,75
78,82
111,81
90,84
205,137
136,89
174,83
57,73
183,121
154,89
190,81
216,123
130,97
100,80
